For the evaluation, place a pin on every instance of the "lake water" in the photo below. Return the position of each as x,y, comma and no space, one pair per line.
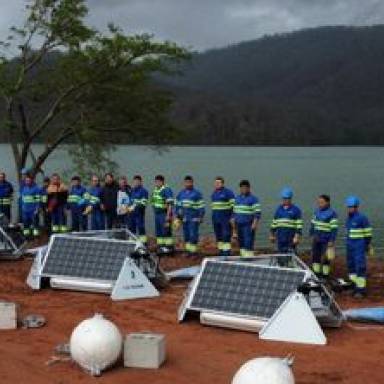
338,171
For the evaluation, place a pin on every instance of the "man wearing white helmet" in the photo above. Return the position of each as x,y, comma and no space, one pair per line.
359,236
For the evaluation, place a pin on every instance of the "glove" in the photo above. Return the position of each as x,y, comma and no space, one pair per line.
272,238
176,224
296,239
331,252
88,210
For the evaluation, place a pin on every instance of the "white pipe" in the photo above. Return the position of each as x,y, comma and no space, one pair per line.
233,322
81,285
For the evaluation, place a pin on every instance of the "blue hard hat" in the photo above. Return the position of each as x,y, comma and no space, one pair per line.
352,201
286,193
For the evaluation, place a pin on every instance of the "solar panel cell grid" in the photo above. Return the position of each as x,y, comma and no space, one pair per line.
86,258
242,289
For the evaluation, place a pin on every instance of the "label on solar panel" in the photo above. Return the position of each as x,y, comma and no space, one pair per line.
242,289
87,258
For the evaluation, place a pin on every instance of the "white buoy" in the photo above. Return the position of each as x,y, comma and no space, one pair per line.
96,344
265,370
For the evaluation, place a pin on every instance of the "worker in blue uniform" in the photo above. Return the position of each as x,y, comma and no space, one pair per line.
139,196
359,237
6,196
222,202
246,217
94,205
323,231
162,201
190,211
76,203
30,195
287,224
23,175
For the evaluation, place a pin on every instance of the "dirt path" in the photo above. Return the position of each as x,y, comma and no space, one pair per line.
196,354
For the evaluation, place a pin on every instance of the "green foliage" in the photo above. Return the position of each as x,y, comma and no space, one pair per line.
80,156
321,86
71,82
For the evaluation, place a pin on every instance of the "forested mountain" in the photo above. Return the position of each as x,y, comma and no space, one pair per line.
315,86
321,86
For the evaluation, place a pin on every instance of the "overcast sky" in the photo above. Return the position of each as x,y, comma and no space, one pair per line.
202,24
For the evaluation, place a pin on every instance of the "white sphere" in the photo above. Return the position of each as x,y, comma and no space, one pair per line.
96,344
264,370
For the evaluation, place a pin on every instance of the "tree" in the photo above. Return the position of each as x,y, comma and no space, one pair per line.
71,82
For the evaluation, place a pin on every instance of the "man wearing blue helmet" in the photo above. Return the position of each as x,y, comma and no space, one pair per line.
359,236
287,223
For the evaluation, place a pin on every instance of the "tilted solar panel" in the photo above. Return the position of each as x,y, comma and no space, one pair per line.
244,289
88,258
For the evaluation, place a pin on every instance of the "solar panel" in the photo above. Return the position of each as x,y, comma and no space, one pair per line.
88,258
12,240
243,289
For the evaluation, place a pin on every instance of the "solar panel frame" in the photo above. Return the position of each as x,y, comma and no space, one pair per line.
188,302
88,265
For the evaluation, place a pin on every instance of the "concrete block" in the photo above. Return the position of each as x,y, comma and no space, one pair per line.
144,350
8,315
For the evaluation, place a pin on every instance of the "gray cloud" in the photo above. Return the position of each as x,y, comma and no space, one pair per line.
202,24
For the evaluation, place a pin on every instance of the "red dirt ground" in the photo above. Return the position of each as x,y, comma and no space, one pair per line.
196,354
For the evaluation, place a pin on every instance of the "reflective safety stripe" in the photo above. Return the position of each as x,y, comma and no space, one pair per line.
30,199
63,228
5,201
36,232
316,267
359,233
168,241
44,199
222,205
287,223
220,245
247,209
326,269
334,223
143,238
246,253
160,241
361,282
321,226
191,204
55,228
74,199
94,200
353,277
225,246
142,202
192,248
26,231
165,241
158,201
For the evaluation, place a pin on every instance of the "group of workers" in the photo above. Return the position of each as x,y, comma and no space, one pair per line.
117,204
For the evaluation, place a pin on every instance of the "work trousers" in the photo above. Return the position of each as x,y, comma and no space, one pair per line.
191,234
222,229
246,236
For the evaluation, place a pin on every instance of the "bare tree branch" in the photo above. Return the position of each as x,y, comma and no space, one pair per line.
65,134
